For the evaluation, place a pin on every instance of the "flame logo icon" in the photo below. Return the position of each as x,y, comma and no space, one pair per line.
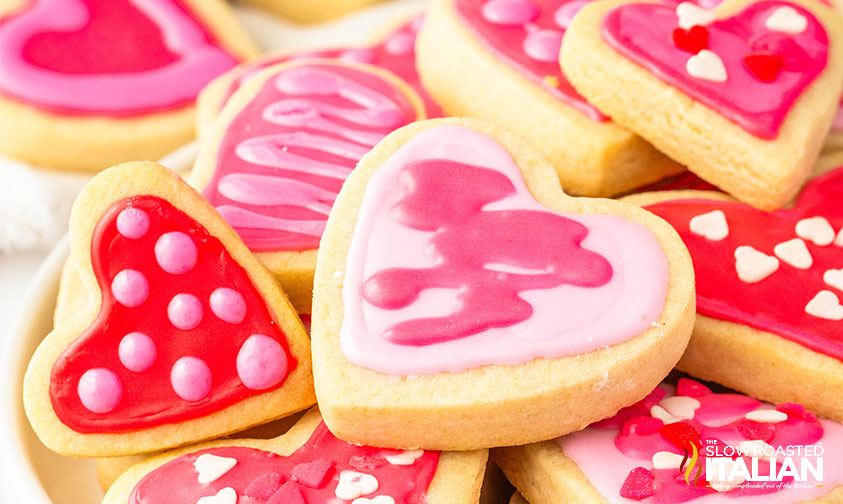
692,464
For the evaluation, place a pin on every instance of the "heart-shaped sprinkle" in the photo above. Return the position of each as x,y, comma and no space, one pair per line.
765,66
667,460
839,240
711,225
825,305
407,457
708,66
766,416
834,278
693,40
211,467
757,449
662,414
289,493
355,484
638,484
680,406
380,499
753,266
795,253
691,15
815,229
313,474
785,19
225,496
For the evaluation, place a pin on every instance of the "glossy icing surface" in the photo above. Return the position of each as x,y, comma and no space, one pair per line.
285,155
107,57
166,346
439,278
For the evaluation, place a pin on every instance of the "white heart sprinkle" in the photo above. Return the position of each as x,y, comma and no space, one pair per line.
404,458
825,305
355,484
766,416
707,65
225,496
380,499
711,225
795,253
680,406
839,240
815,229
662,414
667,460
691,15
834,278
756,449
786,19
753,266
211,467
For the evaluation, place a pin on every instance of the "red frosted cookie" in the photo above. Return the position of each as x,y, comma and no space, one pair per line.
743,94
305,465
85,84
187,337
769,292
460,295
282,149
687,444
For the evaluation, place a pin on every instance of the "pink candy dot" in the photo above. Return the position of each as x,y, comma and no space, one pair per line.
228,305
130,288
400,44
176,253
99,390
132,223
359,55
137,351
566,12
261,362
543,45
510,12
190,378
185,311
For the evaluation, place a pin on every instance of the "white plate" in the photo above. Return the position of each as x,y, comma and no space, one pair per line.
29,472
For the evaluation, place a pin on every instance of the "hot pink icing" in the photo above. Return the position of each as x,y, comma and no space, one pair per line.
117,57
608,451
642,33
285,156
486,293
527,35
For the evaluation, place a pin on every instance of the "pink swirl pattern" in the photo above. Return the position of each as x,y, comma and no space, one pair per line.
286,154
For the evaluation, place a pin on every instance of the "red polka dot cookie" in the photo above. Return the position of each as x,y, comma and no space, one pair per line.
460,295
307,464
186,336
769,290
742,94
282,148
497,60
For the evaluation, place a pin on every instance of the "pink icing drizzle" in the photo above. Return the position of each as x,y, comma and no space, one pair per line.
642,33
286,154
117,57
527,35
609,450
487,287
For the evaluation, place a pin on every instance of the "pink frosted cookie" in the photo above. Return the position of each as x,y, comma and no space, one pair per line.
498,60
769,290
85,84
395,52
305,465
742,94
282,149
461,295
687,444
186,336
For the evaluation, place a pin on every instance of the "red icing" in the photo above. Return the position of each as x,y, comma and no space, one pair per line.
257,473
507,42
148,399
692,40
389,56
765,66
437,202
777,303
642,33
680,434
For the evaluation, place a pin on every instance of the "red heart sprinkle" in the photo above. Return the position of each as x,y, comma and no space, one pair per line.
692,40
679,434
264,486
756,430
289,493
313,474
638,484
691,388
764,66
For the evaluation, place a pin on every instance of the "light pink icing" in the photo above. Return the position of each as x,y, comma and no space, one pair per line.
287,153
606,452
171,58
642,33
559,319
